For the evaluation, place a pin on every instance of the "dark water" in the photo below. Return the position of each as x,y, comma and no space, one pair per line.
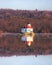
12,44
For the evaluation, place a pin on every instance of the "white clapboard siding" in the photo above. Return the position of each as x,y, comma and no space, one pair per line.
23,30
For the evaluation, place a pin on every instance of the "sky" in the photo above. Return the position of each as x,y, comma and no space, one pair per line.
26,60
26,4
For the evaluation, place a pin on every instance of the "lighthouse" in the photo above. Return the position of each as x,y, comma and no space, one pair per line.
28,34
29,28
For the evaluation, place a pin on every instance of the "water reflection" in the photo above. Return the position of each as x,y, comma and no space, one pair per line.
27,60
12,45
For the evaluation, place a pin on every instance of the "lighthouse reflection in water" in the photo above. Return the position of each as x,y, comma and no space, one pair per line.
28,34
